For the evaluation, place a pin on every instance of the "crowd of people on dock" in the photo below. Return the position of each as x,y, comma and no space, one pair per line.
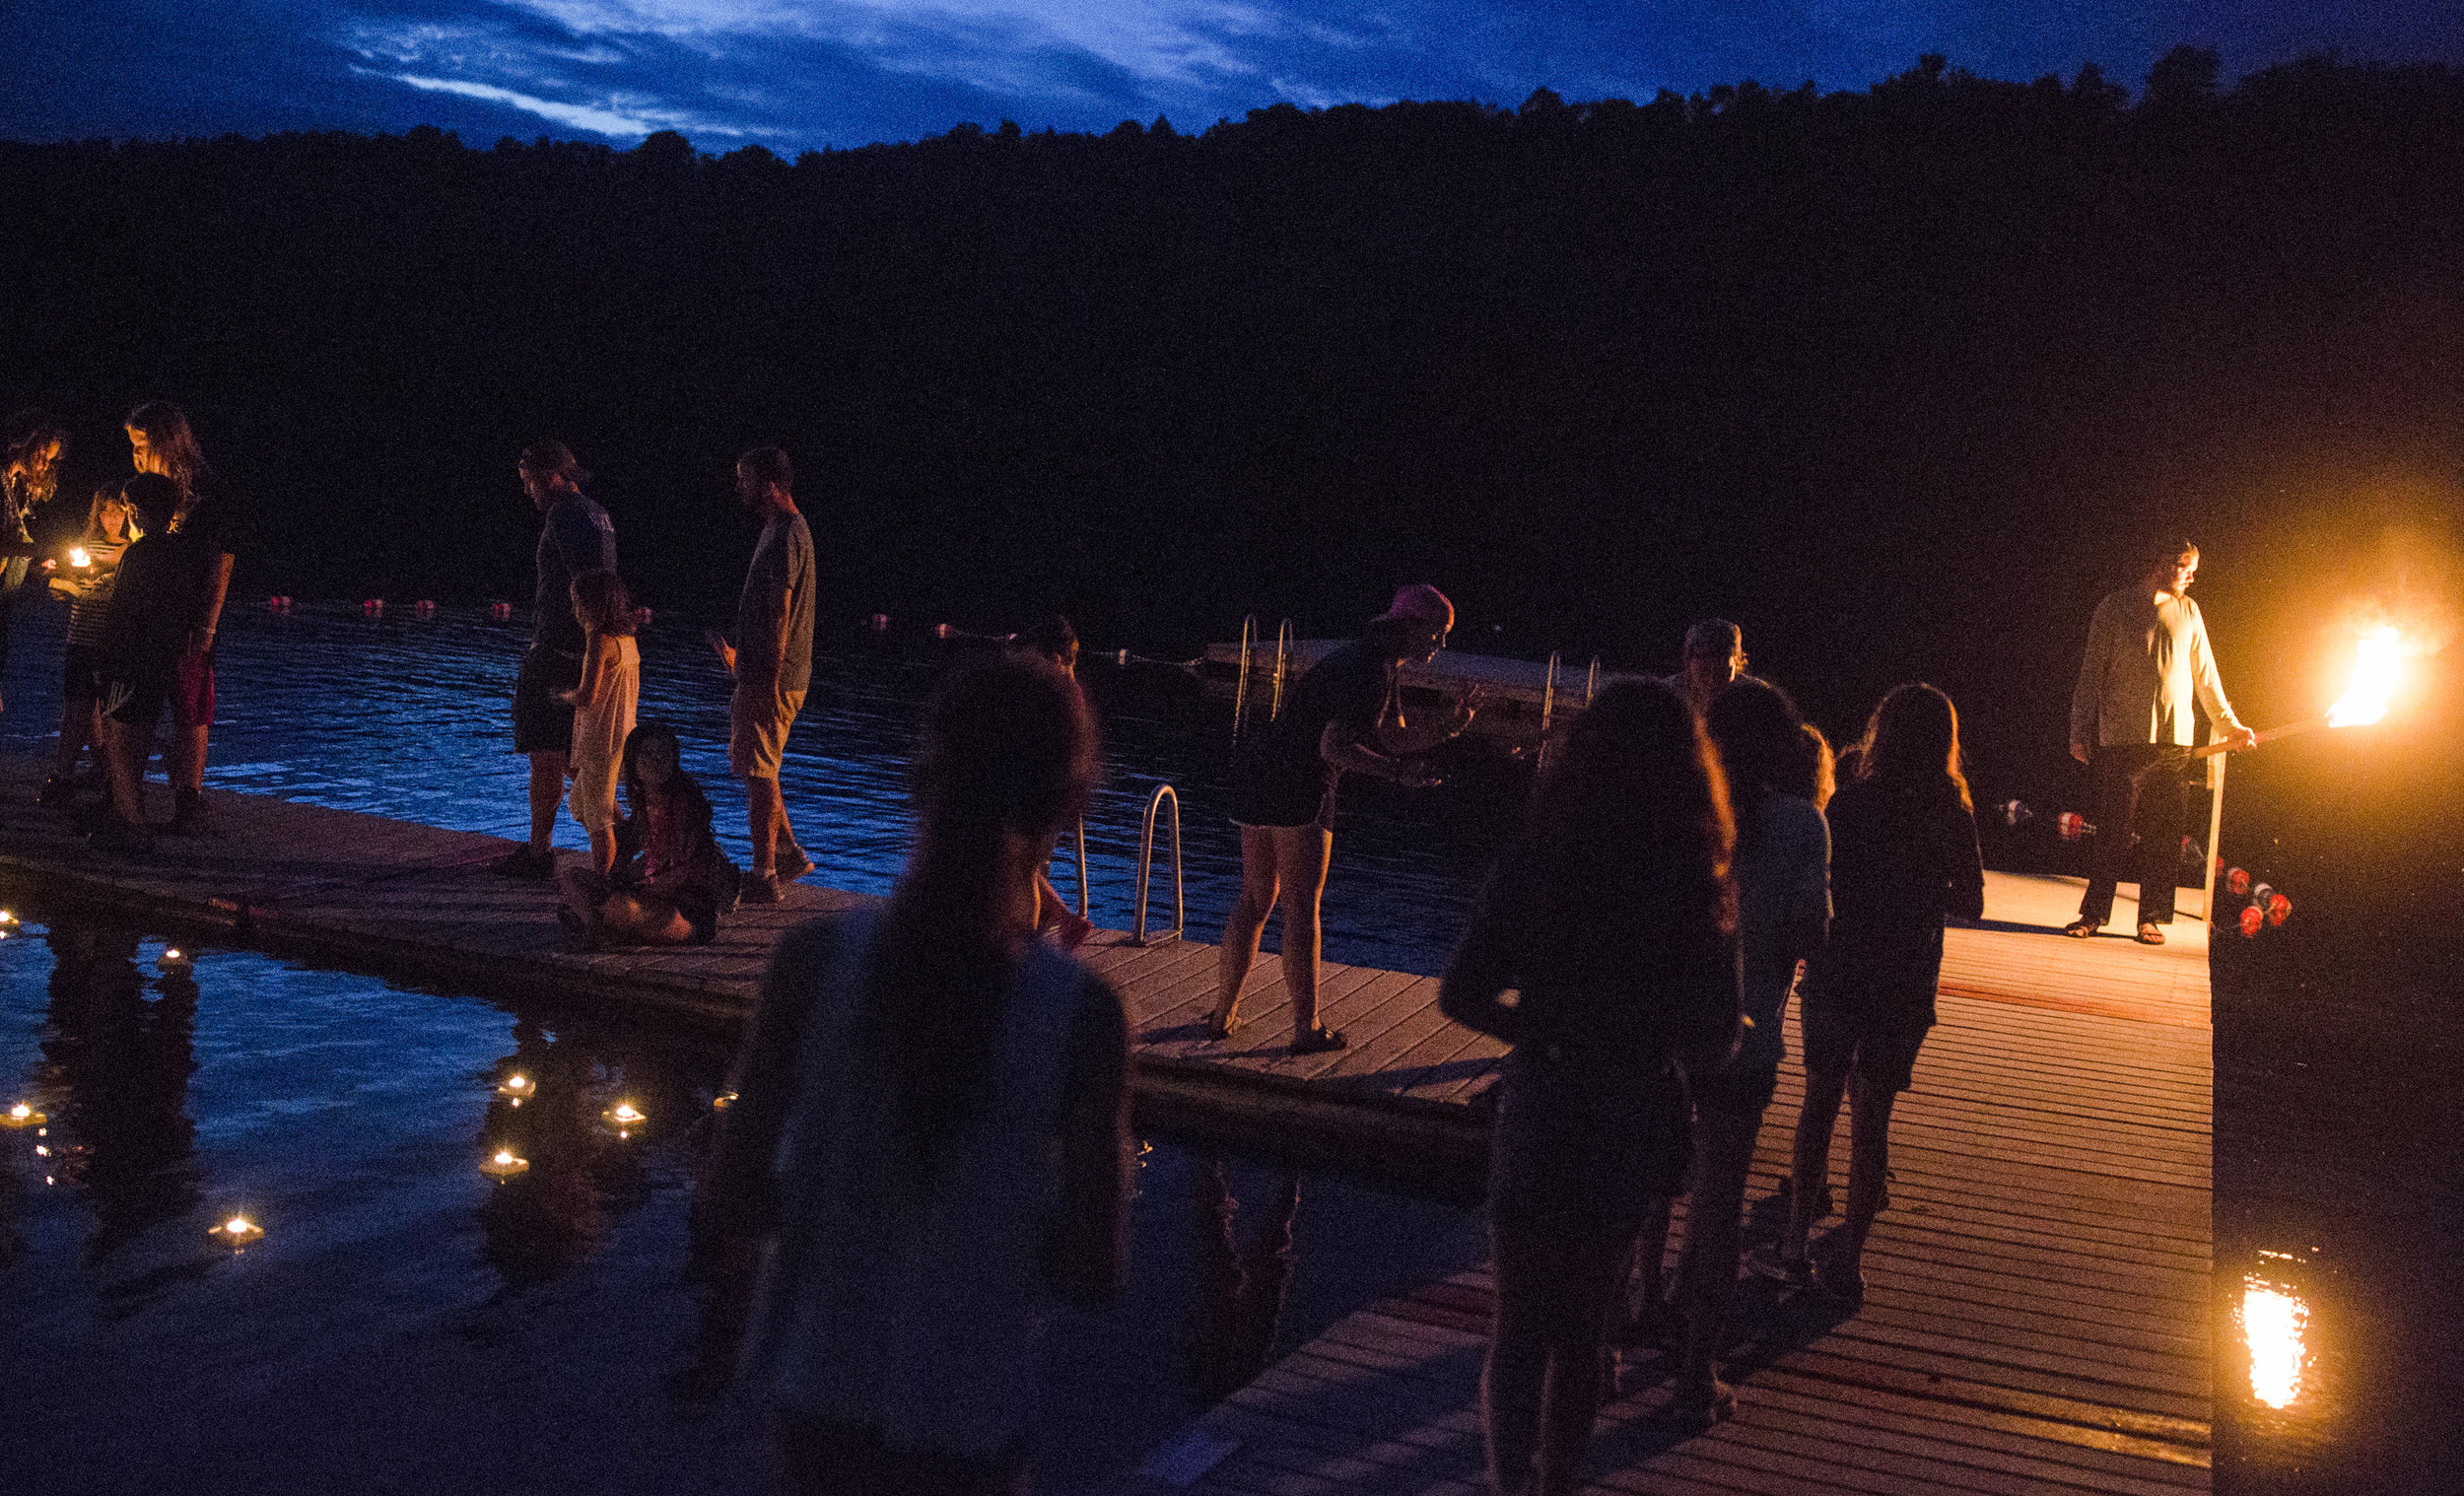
928,1139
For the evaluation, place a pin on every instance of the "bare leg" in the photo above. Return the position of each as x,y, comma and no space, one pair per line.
1247,920
1303,851
126,748
1723,1140
1869,1163
1578,1332
766,811
1516,1373
603,848
1811,1166
184,764
644,922
547,792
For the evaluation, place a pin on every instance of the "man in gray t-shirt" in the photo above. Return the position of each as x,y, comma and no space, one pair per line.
772,660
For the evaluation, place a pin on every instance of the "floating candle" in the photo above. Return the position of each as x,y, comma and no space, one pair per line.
515,1084
503,1165
239,1231
23,1114
723,1101
174,959
624,1117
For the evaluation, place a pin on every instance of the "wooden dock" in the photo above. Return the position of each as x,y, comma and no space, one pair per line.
2039,1312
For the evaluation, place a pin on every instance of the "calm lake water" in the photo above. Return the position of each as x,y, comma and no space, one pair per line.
409,1324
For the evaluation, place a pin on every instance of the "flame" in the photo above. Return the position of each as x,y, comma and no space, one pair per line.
2373,680
79,556
2272,1322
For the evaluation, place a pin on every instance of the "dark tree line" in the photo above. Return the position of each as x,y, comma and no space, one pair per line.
1886,376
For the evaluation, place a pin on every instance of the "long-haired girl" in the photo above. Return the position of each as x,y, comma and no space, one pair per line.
604,706
87,581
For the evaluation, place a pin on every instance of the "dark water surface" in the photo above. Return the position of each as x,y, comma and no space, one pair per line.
409,1324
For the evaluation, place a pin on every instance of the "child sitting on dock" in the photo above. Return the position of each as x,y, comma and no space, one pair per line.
92,567
670,881
603,704
162,581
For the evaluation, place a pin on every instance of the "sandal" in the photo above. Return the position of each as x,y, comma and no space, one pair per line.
2081,929
1319,1040
2151,935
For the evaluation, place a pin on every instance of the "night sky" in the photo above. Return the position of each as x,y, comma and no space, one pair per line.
793,75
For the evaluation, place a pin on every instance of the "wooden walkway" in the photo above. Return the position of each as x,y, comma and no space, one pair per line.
2039,1318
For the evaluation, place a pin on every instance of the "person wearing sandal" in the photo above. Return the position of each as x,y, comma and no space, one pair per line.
1612,919
2148,660
1345,713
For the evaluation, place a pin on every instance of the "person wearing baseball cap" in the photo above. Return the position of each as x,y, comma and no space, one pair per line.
1346,713
1713,656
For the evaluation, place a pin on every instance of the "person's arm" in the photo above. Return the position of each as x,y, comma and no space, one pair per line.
210,604
2209,686
1806,922
1402,741
2089,694
1482,972
596,651
1090,1242
1964,890
1341,745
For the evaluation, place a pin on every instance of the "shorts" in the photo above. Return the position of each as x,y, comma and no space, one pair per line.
1879,1040
542,722
1583,1144
1261,803
193,691
757,730
81,673
136,699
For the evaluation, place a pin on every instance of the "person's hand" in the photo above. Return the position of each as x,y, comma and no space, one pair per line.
727,651
50,566
2079,751
1468,705
200,638
571,698
2238,736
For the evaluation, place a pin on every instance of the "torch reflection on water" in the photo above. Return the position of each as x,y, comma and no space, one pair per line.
2273,1320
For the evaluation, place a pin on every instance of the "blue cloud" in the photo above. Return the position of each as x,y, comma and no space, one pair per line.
798,73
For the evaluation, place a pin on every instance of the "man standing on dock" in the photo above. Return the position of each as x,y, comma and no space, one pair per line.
772,660
2148,657
577,538
1715,656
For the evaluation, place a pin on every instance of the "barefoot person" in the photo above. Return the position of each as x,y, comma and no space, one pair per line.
670,881
1345,713
575,537
772,660
160,441
34,442
1613,921
145,640
1904,855
2147,659
931,1126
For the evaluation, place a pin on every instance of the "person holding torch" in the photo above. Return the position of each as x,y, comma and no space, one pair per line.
2148,662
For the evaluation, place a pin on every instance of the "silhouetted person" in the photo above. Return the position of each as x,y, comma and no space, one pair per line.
122,1133
1614,918
110,524
29,475
574,536
932,1123
1714,656
1345,713
772,660
216,516
1903,855
1784,903
145,648
2148,660
1056,640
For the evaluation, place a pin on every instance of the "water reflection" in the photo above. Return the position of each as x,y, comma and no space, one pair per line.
1240,1292
2274,1322
118,1063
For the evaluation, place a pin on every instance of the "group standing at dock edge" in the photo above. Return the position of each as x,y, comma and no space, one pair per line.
928,1144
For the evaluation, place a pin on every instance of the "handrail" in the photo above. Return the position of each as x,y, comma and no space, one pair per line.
1240,686
1282,652
1548,707
1591,682
1081,861
1146,866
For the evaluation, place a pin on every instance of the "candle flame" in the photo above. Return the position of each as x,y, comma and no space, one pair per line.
2272,1322
239,1225
21,1110
2373,680
503,1156
625,1113
79,557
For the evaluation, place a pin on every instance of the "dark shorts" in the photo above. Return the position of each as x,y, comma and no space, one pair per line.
1265,800
1582,1146
193,691
136,698
1878,1041
542,722
81,673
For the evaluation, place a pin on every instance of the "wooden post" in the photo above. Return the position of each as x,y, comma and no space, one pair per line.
2215,824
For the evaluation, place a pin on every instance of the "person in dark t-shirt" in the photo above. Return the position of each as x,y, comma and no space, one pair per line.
161,581
575,537
1344,713
160,440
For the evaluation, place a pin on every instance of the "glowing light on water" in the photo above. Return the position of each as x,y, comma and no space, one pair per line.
2273,1321
2373,680
23,1114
